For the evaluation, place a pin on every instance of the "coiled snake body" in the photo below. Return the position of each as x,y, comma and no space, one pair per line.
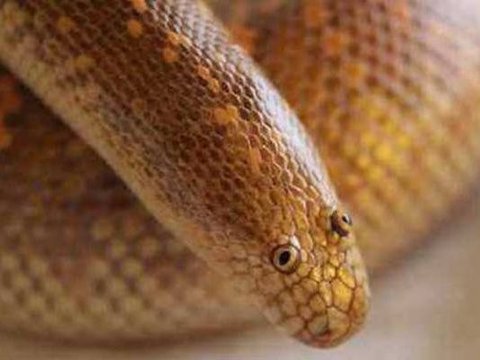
387,92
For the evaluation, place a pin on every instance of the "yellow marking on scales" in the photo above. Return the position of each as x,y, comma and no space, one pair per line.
206,75
228,115
170,52
342,295
346,277
329,272
176,39
255,160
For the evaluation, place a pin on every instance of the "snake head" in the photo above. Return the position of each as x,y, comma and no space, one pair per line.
317,283
312,284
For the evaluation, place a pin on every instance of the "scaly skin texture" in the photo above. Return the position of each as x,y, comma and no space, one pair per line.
388,92
85,265
206,142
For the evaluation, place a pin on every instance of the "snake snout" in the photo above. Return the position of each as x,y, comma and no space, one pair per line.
319,295
320,314
337,323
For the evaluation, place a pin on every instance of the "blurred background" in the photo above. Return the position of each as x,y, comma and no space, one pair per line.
426,307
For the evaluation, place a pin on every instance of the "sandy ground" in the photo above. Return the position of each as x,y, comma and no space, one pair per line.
428,308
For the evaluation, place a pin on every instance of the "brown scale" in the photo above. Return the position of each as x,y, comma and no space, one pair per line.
377,87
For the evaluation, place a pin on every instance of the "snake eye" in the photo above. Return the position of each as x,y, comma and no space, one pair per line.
341,223
285,258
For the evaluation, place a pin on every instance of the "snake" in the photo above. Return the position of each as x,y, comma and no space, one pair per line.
223,160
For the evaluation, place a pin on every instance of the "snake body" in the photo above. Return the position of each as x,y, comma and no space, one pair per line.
387,93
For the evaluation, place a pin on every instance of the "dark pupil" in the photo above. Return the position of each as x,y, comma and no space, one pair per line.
284,258
346,219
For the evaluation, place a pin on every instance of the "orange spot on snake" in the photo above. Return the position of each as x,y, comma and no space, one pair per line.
314,14
255,160
139,5
227,115
356,72
173,38
135,28
169,55
84,62
205,74
336,42
176,39
65,24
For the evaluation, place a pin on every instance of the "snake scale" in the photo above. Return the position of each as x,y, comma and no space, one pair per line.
227,120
